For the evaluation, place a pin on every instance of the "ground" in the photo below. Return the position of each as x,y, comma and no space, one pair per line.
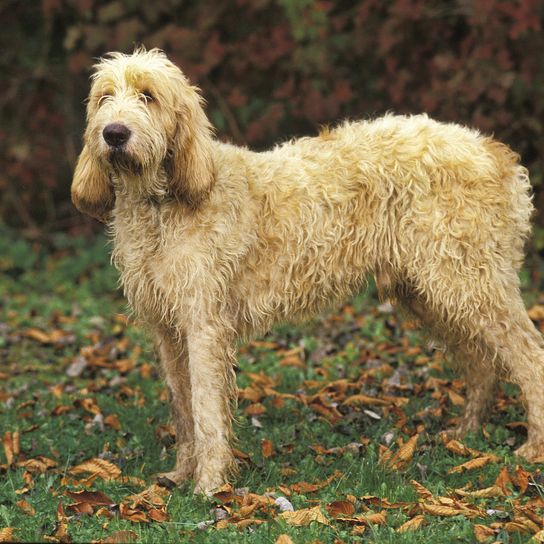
339,425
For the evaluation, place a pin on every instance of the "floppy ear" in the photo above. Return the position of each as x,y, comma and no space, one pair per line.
92,192
190,166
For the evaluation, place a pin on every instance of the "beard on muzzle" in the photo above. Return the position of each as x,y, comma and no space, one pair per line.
120,159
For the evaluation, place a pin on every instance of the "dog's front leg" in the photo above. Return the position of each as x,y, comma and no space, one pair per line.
175,367
213,388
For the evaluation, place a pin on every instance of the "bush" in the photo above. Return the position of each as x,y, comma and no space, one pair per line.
269,70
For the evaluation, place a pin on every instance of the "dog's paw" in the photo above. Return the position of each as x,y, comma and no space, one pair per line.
171,479
531,451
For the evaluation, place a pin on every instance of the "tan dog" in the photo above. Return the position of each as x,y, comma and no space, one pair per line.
216,243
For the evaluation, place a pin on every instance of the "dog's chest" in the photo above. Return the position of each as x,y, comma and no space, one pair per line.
159,268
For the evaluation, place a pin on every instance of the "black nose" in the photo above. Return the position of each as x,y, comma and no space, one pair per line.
116,134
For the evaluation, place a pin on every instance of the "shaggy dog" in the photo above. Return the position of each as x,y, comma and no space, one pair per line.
216,243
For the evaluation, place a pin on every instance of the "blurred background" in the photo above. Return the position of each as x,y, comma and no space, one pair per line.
269,70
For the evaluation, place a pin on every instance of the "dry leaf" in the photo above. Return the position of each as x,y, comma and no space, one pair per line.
483,533
486,493
364,400
455,398
411,524
131,514
6,534
404,454
267,448
439,510
304,516
98,468
340,508
458,448
284,539
26,507
504,481
521,479
120,537
38,465
473,464
421,490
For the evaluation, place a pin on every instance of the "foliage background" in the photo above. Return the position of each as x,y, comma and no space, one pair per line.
269,69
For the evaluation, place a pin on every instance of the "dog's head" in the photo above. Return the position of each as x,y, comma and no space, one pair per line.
146,131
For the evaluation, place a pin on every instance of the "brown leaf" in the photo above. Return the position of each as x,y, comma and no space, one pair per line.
521,479
411,524
486,493
98,468
365,400
112,421
26,507
38,465
256,409
440,510
458,448
473,464
284,539
504,481
538,537
304,516
340,508
151,497
6,534
157,514
120,537
421,490
455,398
267,448
483,533
61,526
131,514
9,449
39,336
94,498
404,454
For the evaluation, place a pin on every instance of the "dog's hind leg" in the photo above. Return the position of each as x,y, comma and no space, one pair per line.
475,366
175,367
488,321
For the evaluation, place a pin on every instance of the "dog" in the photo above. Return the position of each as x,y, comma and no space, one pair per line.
216,243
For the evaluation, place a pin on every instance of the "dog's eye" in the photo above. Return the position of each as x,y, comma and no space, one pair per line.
104,97
146,97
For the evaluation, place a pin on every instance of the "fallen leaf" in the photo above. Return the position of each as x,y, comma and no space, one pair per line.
38,465
132,514
455,398
98,468
304,516
421,490
284,539
404,454
267,448
340,508
483,533
411,524
521,478
486,493
120,537
440,510
473,464
504,481
26,507
6,534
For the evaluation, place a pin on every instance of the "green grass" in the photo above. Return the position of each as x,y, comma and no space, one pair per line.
70,286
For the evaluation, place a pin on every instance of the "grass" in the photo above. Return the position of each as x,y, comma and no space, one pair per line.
60,302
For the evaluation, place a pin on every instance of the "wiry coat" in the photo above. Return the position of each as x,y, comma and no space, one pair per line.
216,243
